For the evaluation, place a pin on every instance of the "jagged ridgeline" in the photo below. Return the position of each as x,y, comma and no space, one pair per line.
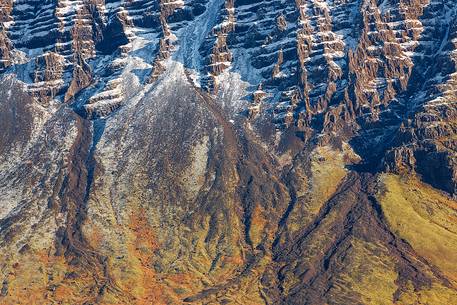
228,152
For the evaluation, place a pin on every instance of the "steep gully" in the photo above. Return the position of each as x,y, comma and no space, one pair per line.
74,195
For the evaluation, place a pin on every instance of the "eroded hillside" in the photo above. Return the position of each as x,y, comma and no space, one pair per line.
228,152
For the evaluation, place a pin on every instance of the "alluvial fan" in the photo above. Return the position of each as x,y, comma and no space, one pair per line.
228,152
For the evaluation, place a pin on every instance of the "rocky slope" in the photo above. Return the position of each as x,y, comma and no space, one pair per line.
228,152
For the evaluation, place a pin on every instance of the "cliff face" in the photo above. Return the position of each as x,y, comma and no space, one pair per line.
228,152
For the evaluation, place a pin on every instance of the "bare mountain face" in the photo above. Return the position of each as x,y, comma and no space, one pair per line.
228,152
